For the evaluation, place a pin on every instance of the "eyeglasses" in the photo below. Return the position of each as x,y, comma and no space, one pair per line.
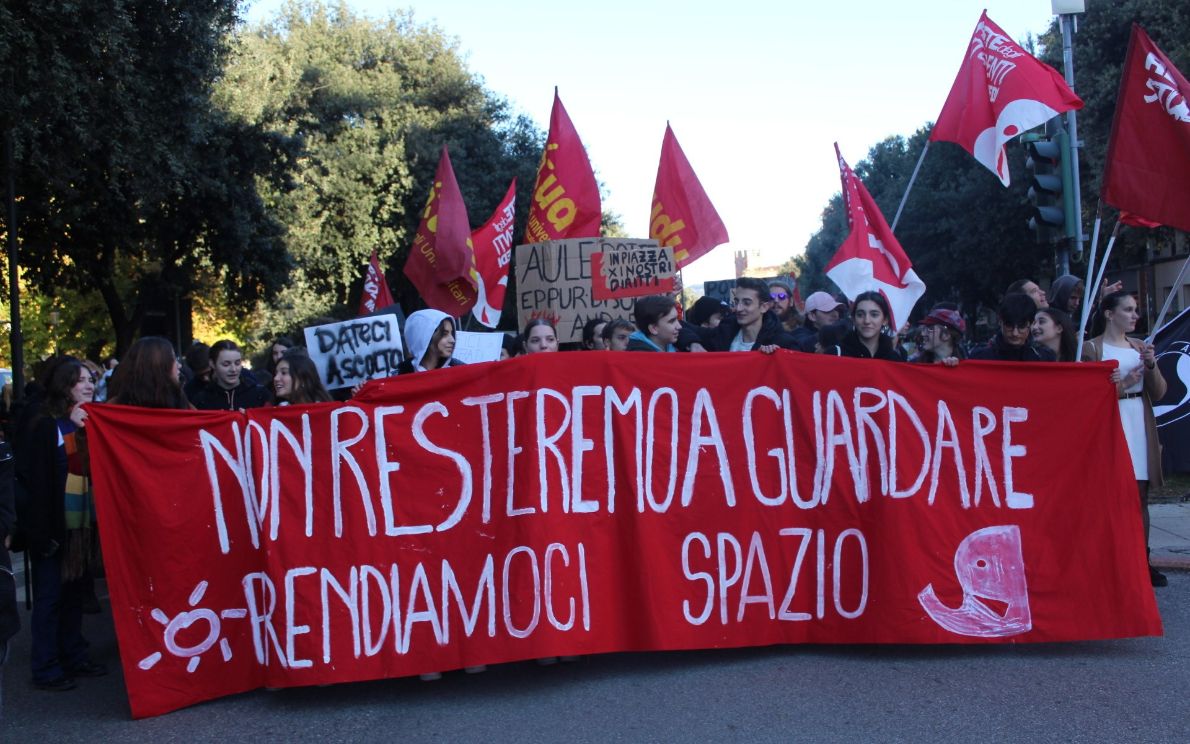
1022,326
779,296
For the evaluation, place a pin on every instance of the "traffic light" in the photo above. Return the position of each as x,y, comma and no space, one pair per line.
1052,215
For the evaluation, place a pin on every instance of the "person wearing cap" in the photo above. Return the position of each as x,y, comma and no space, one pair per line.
781,290
941,338
821,310
1012,343
707,312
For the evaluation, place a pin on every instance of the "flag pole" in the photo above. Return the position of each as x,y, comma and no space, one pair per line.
909,186
1091,260
1173,291
1090,293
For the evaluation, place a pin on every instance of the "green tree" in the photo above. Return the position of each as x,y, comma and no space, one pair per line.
373,102
128,179
966,234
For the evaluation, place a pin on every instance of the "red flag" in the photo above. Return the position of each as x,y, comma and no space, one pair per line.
566,197
1148,159
682,216
493,251
871,259
441,261
376,294
1001,91
798,303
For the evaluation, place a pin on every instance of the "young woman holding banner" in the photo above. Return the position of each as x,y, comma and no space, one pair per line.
1139,385
540,335
1053,329
296,381
867,340
52,466
430,335
149,376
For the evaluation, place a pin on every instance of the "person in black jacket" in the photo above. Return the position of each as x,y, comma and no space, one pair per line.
230,389
10,617
50,449
752,327
1013,342
867,339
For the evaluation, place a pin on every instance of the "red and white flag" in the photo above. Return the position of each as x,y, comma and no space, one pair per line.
441,262
871,259
375,295
565,200
1147,175
682,216
492,242
1000,92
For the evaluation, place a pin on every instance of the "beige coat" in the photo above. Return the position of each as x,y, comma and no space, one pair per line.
1154,389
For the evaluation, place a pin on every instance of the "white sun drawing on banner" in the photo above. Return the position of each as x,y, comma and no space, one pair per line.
182,621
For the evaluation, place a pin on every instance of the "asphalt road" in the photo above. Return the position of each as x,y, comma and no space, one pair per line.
1118,691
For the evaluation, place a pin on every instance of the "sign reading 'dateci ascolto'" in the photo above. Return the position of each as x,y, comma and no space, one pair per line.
587,503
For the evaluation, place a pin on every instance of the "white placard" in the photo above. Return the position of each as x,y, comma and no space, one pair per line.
472,347
355,350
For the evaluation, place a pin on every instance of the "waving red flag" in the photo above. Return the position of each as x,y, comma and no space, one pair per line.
376,294
871,259
441,261
493,253
566,197
682,215
1147,175
1001,91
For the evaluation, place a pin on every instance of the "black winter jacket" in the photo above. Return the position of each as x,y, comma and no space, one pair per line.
245,395
998,351
851,346
720,337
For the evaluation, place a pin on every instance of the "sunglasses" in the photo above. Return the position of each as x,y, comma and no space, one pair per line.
779,296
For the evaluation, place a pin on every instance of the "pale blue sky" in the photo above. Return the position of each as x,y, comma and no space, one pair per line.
756,91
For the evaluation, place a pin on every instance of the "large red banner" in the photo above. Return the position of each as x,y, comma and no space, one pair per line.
578,504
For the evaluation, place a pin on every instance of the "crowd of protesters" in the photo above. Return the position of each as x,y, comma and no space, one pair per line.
48,461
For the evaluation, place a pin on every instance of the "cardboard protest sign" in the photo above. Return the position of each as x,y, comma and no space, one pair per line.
472,347
720,289
556,280
631,269
355,350
544,507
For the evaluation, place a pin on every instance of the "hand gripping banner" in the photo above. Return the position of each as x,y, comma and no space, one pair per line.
588,503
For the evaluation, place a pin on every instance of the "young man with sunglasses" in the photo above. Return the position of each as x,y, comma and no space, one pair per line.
781,290
1013,342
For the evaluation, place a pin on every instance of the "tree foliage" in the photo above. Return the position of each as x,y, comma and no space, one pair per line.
373,102
127,176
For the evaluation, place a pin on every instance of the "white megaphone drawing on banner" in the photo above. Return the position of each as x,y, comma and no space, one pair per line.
989,565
